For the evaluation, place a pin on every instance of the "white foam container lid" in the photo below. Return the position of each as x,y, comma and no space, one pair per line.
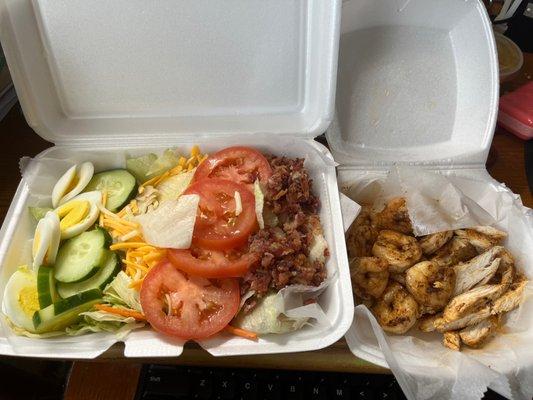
417,83
103,80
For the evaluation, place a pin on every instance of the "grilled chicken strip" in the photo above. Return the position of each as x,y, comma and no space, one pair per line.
476,335
510,299
480,268
428,323
482,237
471,301
431,243
452,340
471,319
455,251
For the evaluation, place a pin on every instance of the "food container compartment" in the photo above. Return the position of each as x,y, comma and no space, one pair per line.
111,79
417,86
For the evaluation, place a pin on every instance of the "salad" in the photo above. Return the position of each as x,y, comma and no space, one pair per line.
189,245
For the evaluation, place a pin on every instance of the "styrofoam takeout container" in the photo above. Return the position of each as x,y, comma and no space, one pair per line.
103,80
417,85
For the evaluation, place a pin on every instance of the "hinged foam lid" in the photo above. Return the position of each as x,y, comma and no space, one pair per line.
417,83
98,70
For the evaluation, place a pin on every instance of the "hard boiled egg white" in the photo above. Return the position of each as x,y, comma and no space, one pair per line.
72,183
21,299
46,240
79,214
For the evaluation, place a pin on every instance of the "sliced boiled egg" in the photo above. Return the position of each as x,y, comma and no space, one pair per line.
72,183
46,240
21,298
79,214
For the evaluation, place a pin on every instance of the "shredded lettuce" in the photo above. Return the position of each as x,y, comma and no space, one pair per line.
173,187
119,292
150,165
165,161
139,166
100,321
38,213
266,317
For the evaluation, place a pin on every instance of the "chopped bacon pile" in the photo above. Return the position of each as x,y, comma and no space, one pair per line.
284,248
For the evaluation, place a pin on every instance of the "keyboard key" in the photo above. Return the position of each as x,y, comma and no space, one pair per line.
387,394
339,391
362,393
202,384
270,388
164,380
225,386
318,390
293,388
248,387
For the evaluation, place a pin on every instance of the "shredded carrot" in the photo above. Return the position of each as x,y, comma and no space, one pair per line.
125,312
241,332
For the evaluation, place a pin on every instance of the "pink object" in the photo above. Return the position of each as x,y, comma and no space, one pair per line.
516,112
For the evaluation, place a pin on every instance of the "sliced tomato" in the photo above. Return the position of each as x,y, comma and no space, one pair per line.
187,307
217,226
212,263
238,164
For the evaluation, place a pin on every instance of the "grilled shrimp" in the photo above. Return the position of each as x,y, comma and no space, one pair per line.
360,239
455,251
361,235
431,286
431,243
397,310
370,276
400,251
482,237
394,216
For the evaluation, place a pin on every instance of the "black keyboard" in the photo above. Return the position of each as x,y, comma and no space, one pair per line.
165,382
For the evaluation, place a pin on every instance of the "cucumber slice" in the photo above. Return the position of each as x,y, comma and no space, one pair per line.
120,185
106,274
65,312
38,213
46,286
81,257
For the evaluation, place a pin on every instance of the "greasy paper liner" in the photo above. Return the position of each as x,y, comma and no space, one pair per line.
424,368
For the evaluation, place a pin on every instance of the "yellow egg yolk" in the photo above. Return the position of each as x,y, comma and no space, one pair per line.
29,300
72,213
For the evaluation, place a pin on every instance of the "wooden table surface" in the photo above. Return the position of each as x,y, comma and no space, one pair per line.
506,164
